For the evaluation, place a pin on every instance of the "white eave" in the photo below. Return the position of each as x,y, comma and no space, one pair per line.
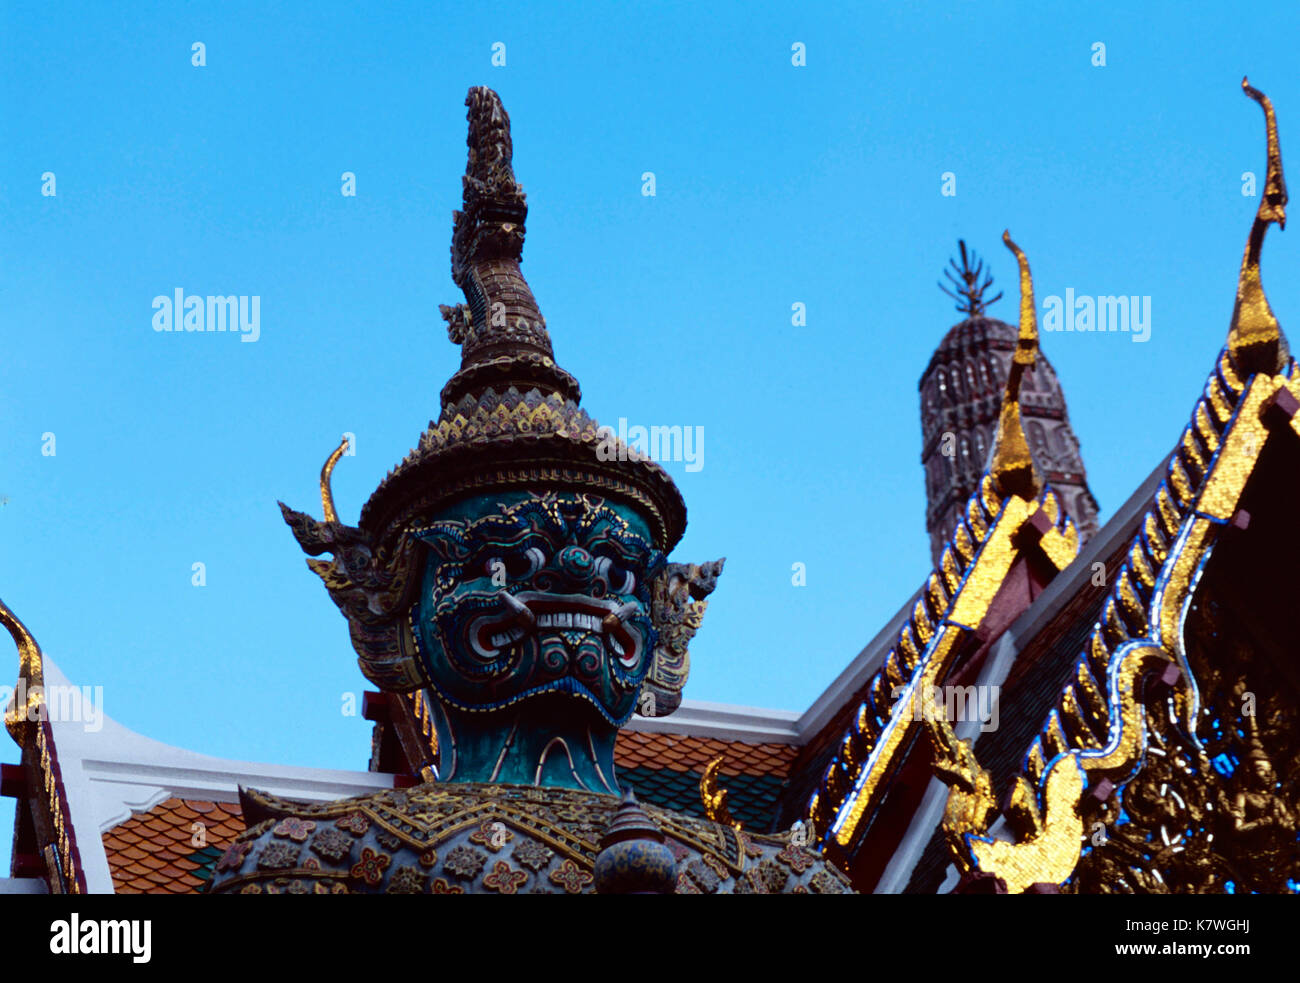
724,722
112,772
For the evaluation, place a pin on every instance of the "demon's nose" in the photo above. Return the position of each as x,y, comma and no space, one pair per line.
576,564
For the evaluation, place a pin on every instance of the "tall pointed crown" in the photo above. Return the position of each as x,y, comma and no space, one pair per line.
510,417
500,329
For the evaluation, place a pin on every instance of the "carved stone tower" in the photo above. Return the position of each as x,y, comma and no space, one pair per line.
961,392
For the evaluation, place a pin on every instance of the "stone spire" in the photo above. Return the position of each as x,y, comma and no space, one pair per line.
961,400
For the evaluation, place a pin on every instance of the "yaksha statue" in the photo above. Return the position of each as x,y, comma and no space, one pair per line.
507,588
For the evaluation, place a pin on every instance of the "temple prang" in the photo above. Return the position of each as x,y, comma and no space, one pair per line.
961,394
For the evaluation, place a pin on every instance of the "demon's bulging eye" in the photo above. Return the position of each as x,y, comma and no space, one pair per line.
619,578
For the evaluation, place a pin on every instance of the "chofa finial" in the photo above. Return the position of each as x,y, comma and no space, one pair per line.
1255,339
31,669
1012,465
326,472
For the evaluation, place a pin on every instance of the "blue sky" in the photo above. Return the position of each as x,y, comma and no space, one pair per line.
776,184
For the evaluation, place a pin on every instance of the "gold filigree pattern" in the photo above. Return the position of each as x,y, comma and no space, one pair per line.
871,749
1218,811
1139,631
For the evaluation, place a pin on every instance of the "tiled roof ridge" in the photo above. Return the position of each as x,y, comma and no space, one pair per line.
937,596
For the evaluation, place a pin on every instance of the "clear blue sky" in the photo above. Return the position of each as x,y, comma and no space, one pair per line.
776,184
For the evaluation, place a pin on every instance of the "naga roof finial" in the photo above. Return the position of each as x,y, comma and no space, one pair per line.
1011,463
326,472
31,669
1255,339
969,290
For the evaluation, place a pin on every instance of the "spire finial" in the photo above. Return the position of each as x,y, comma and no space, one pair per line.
501,331
1255,339
491,224
1011,464
970,291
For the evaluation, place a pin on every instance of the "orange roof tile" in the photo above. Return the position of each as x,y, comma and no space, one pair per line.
155,853
680,752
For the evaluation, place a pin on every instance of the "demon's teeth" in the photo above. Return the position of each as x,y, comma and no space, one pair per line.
505,638
569,619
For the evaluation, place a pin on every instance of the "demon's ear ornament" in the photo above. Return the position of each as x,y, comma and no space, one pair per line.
373,588
676,609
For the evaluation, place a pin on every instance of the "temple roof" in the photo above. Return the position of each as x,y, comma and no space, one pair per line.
153,852
1134,659
961,597
1029,664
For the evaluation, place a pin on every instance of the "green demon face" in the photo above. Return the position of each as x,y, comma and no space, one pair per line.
525,594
